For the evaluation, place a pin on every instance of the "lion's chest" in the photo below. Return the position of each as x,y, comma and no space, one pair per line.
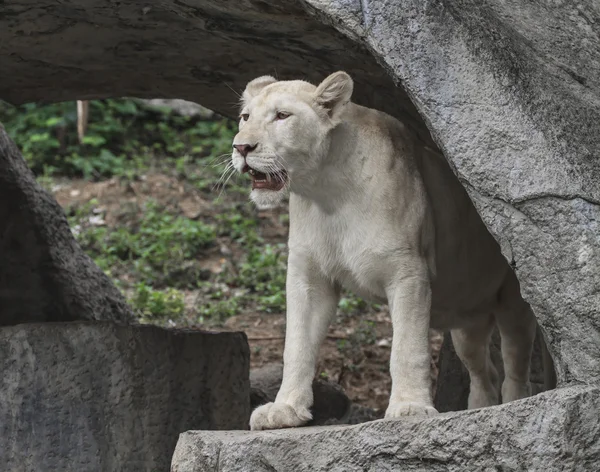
344,250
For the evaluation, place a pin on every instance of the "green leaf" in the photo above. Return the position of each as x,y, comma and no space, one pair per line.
94,140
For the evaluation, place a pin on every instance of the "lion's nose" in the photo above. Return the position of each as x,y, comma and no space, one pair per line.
244,149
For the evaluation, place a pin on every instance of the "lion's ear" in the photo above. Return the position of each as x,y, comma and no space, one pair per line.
334,92
255,86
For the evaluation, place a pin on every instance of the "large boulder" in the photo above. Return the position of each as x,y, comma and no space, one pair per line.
97,396
44,274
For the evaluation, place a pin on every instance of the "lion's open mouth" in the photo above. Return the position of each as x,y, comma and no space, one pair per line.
273,181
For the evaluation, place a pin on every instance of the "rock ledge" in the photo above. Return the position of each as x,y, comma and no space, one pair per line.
556,430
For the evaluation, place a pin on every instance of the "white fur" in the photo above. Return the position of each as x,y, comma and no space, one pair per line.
374,210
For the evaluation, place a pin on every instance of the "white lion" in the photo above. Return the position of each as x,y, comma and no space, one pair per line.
374,210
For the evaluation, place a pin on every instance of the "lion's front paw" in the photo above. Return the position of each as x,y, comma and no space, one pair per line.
397,410
278,415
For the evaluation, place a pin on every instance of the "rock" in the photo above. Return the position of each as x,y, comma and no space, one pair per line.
204,53
264,384
556,430
330,401
44,274
182,107
99,396
360,414
515,107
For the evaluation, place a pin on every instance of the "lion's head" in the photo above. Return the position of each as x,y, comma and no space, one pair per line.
284,132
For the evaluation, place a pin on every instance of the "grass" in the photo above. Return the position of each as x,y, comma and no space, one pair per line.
154,253
155,246
157,304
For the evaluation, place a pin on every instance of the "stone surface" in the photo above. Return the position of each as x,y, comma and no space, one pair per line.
182,107
511,93
97,396
556,430
44,274
330,401
204,51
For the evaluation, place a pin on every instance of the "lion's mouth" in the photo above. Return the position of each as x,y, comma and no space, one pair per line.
267,181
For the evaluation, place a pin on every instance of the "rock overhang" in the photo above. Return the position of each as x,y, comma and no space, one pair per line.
203,51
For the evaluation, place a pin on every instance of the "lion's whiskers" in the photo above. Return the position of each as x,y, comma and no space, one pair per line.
218,160
284,166
231,174
225,176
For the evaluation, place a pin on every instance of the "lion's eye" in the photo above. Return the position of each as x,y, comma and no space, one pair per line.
282,115
245,116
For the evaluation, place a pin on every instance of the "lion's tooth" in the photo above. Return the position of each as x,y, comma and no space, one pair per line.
269,177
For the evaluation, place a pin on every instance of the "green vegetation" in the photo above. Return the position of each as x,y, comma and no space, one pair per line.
156,304
155,246
172,268
123,137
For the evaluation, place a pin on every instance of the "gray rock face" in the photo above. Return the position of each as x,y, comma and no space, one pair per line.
511,93
499,438
198,51
44,274
104,397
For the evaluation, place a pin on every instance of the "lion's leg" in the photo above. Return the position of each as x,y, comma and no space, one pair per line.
517,326
517,332
472,345
311,304
410,307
